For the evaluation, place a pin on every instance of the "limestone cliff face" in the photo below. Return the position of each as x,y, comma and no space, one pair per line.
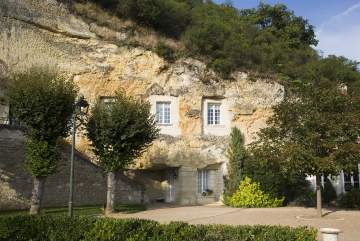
46,33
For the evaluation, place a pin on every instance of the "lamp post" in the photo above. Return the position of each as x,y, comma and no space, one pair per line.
80,104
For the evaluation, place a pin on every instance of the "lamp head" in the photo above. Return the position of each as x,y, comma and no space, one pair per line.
82,103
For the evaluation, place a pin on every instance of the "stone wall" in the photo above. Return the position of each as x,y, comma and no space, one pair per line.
90,186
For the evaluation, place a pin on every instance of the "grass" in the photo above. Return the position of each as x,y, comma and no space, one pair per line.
129,208
80,211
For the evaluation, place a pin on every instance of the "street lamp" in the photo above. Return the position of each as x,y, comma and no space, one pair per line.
81,108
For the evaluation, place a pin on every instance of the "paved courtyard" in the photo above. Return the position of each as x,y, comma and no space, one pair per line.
347,221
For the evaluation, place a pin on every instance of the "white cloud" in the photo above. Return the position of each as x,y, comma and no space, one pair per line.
339,16
345,43
340,34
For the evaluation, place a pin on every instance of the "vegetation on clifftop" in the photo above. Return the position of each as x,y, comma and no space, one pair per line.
270,40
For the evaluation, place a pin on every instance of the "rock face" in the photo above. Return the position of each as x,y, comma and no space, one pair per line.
48,34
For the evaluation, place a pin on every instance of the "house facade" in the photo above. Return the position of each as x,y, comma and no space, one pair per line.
186,165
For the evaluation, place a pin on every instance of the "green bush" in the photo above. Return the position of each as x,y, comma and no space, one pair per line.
50,228
273,178
170,17
350,199
307,199
62,228
165,52
328,192
250,195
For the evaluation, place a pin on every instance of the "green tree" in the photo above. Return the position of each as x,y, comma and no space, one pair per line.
272,176
267,39
119,131
167,16
236,155
270,39
314,132
42,101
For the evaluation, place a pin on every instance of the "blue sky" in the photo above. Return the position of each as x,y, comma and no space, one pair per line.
337,22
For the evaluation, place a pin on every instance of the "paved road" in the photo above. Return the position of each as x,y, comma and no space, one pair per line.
347,221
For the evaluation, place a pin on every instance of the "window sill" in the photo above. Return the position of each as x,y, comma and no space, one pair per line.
207,196
164,124
215,126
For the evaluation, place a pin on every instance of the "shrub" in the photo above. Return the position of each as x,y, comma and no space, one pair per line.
52,228
307,199
273,178
350,199
170,17
250,195
63,228
329,193
236,154
165,51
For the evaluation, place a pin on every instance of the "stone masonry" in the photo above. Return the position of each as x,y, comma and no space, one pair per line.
90,188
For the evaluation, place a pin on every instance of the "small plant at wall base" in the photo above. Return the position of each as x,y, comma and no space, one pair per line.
236,155
207,192
250,195
43,102
119,132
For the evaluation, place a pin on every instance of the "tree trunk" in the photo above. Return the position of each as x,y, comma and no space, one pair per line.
111,182
37,195
318,196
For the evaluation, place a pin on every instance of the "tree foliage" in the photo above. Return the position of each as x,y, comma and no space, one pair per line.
120,131
315,132
266,39
269,39
170,17
265,168
41,158
236,155
43,101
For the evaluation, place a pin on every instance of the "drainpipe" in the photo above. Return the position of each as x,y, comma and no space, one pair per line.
330,234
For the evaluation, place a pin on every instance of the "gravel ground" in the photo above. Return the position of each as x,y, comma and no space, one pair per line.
347,221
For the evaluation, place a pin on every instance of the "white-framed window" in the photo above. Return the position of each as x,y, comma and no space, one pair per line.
213,114
163,112
203,181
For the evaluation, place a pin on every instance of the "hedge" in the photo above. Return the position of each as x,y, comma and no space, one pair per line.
62,228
